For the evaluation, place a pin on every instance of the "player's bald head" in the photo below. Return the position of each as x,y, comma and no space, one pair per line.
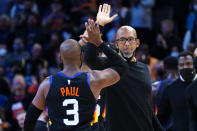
125,31
70,50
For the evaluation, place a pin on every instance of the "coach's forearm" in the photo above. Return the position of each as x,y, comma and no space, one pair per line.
118,64
31,117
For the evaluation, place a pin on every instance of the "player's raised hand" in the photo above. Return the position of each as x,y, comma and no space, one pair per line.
195,52
103,15
83,41
94,35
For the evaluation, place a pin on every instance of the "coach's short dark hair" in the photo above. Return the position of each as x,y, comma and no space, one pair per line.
185,53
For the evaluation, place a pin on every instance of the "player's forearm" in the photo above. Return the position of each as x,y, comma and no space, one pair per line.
117,63
31,117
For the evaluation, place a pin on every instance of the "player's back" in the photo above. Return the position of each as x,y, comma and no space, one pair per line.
70,102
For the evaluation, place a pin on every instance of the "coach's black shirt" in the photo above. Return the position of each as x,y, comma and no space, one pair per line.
129,100
70,102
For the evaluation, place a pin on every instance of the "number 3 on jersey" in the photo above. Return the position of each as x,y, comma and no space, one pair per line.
74,112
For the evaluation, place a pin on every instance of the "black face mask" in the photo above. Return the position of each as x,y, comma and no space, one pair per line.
187,74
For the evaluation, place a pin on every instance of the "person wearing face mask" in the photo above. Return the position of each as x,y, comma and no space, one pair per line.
3,55
18,54
173,101
191,100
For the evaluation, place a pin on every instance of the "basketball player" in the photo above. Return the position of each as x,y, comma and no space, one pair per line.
70,95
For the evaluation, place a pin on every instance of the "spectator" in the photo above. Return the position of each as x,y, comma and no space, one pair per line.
141,18
173,105
19,99
55,19
3,56
191,100
166,40
143,55
5,33
19,54
171,74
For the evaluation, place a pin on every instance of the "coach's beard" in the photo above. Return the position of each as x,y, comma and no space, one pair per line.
128,57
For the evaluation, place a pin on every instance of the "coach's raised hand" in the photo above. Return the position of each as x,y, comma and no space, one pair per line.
94,35
103,15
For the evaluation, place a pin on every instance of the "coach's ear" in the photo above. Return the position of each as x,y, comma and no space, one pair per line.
138,43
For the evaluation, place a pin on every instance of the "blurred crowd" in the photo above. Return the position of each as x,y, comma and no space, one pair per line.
32,30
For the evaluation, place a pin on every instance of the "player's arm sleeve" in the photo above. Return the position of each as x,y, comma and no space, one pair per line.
92,59
117,63
31,117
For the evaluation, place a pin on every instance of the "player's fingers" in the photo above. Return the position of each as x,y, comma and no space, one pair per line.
87,27
83,37
91,26
97,27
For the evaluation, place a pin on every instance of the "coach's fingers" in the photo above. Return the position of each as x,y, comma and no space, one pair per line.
104,8
113,17
100,8
108,9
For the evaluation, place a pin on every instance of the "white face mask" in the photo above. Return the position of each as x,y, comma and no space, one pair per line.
3,52
195,7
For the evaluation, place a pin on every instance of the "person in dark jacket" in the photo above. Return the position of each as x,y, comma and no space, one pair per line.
128,101
192,100
173,104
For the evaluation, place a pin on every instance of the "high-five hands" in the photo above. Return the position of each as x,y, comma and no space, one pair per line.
94,35
103,15
83,41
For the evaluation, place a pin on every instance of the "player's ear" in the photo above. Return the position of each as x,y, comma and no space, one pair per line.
60,58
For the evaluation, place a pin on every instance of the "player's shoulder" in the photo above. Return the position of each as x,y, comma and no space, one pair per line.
46,82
